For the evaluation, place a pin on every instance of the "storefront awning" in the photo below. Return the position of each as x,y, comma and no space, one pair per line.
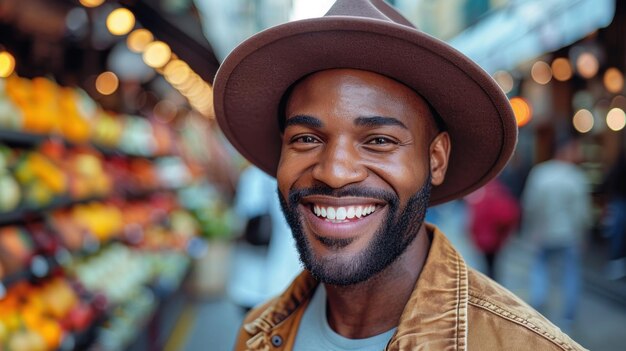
527,29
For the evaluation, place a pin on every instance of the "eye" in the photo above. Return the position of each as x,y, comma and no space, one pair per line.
305,139
381,141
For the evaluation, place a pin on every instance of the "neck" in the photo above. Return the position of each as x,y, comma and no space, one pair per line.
375,306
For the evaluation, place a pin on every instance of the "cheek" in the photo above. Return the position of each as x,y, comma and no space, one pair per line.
288,171
405,172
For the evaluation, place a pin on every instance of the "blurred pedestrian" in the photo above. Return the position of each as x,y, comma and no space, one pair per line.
557,216
615,219
264,264
493,215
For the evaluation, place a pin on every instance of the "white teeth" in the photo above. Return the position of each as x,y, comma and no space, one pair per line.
341,213
330,213
351,212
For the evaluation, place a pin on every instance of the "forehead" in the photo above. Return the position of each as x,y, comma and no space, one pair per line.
356,93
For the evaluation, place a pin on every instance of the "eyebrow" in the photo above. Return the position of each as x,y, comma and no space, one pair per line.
304,120
372,121
378,121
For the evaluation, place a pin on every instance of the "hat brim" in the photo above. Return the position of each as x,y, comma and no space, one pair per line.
254,77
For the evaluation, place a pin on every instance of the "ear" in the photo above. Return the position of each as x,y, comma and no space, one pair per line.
439,155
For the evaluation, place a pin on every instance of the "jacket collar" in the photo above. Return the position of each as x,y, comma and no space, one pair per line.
435,317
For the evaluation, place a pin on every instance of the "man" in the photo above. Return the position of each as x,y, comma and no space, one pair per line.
557,218
365,121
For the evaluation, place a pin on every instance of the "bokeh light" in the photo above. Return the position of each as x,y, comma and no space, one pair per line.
587,65
541,72
561,69
91,3
120,21
107,83
176,72
7,64
613,80
522,110
504,80
583,121
157,54
616,119
188,82
138,40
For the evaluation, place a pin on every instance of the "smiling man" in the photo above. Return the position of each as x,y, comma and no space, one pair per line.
365,122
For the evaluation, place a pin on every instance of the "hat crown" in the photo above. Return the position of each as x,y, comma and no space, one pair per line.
376,9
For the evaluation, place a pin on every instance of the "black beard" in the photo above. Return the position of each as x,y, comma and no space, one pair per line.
389,242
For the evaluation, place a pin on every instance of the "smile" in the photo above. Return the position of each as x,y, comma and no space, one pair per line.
341,214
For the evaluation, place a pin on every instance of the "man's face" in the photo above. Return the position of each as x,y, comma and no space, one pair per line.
353,177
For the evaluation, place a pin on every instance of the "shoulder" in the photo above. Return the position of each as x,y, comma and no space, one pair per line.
278,315
509,322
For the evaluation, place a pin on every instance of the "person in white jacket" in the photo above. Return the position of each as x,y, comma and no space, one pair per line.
261,272
557,216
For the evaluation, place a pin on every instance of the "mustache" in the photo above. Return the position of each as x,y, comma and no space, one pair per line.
296,195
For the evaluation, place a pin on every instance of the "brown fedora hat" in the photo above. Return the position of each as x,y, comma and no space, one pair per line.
371,36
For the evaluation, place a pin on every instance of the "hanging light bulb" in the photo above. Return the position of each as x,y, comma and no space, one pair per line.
120,21
91,3
138,40
157,54
7,64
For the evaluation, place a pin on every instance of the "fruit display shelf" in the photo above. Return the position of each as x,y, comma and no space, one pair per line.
21,139
119,286
16,138
29,213
40,267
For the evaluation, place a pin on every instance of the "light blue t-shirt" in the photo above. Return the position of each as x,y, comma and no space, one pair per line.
314,333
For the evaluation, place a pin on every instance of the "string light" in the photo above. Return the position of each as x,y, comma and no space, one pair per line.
120,21
7,64
157,54
176,72
91,3
138,40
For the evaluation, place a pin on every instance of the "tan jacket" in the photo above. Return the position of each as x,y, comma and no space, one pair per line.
452,307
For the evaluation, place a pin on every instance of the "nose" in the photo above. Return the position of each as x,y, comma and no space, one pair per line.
339,165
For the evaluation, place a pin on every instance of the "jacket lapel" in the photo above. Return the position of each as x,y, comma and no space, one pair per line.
435,317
